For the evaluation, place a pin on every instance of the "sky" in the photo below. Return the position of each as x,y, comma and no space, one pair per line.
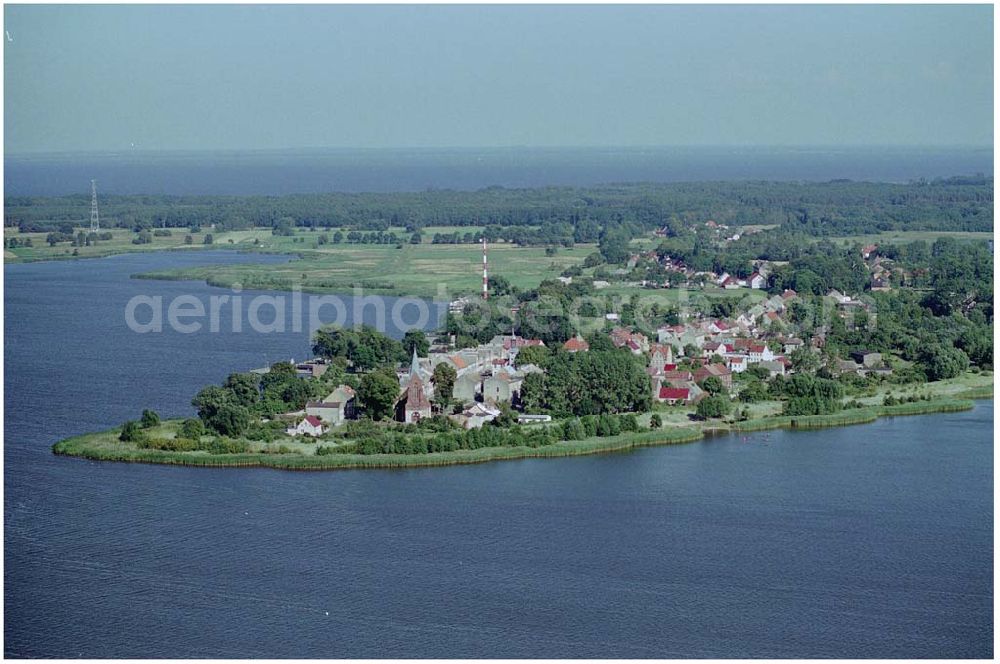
182,77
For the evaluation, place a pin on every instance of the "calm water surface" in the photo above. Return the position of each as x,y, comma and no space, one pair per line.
300,171
867,541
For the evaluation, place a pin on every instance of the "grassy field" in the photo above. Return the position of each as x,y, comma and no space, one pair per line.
120,243
419,270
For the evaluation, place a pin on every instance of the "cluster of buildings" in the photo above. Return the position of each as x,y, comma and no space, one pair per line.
680,359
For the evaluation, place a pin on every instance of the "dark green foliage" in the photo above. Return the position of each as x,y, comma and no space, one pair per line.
713,406
130,432
149,419
169,444
365,348
655,421
532,355
219,410
755,390
192,428
713,385
378,392
245,388
226,446
588,383
415,339
444,378
941,362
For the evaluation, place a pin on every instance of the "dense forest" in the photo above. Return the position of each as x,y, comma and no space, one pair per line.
560,214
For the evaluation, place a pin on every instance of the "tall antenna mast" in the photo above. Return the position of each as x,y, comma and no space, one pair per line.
485,277
95,220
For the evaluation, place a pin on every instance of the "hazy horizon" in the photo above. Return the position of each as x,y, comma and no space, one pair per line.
102,78
461,148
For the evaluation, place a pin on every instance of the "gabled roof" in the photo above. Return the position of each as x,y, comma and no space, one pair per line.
674,393
323,404
576,344
313,420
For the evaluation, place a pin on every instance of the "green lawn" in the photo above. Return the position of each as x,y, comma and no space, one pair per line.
419,270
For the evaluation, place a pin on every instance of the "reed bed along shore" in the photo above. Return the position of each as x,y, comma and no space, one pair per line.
104,446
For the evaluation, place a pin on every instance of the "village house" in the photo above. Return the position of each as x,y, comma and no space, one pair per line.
476,415
868,358
674,395
345,396
738,363
774,367
760,353
310,425
719,371
467,387
329,412
311,369
502,387
576,345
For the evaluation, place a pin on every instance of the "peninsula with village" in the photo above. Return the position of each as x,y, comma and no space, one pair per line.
603,318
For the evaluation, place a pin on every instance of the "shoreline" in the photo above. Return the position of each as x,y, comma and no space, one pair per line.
82,446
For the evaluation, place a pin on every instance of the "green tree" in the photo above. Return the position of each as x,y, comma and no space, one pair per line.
130,432
532,355
149,419
941,362
245,388
192,428
614,247
713,406
416,339
378,392
444,378
655,421
713,385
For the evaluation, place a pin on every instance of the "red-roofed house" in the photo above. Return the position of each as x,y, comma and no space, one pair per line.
677,376
674,395
576,345
717,370
756,280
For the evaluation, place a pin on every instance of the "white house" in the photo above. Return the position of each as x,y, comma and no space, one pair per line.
330,412
309,426
738,363
760,353
756,280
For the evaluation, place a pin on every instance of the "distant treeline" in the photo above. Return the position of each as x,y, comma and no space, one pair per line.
558,214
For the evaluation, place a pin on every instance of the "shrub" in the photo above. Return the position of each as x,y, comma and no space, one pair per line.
226,446
130,432
149,419
655,421
192,428
629,422
169,444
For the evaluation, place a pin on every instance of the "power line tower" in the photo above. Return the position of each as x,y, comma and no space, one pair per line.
95,220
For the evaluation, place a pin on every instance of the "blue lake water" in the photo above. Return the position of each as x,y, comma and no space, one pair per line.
866,541
307,171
